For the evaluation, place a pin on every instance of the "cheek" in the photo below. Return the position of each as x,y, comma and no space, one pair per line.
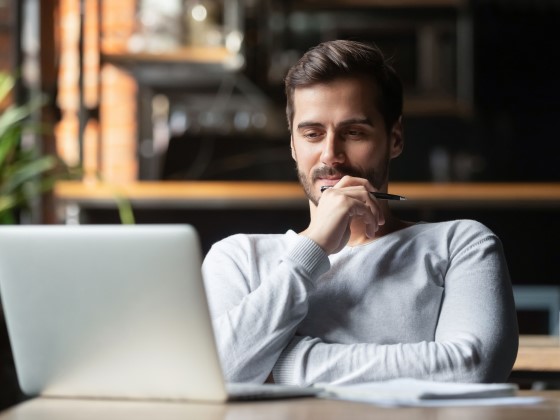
303,153
368,156
365,152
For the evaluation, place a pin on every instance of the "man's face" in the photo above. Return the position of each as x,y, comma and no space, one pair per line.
338,130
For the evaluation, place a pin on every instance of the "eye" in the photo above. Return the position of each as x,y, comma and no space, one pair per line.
354,133
311,135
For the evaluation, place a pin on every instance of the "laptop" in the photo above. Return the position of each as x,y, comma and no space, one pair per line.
114,311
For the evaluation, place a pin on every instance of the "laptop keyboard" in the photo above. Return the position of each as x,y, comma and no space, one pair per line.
244,391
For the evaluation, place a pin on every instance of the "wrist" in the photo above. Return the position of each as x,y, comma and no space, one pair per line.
306,253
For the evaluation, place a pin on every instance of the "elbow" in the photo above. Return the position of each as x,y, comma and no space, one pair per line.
503,358
500,356
487,363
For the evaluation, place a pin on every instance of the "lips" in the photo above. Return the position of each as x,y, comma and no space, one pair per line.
328,182
329,176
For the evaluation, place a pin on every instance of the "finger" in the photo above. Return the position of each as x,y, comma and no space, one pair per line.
372,201
361,194
370,218
356,196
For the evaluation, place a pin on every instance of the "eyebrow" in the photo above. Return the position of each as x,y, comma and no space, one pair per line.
351,121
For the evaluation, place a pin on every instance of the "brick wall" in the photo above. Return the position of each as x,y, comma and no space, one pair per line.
118,92
68,97
109,93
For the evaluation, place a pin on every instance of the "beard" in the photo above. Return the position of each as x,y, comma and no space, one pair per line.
377,177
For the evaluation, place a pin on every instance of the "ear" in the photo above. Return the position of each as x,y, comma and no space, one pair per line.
292,147
397,139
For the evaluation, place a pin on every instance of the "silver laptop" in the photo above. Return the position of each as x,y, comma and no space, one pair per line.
113,311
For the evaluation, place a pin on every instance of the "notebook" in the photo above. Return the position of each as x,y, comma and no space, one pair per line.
113,311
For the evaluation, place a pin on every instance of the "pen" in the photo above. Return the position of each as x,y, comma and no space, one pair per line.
379,195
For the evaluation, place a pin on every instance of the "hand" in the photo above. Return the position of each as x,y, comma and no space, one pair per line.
347,201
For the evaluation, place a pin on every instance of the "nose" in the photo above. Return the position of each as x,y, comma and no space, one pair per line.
333,151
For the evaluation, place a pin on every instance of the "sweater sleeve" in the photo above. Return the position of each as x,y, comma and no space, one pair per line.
254,319
476,338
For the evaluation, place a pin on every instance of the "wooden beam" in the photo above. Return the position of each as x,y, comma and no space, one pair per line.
48,72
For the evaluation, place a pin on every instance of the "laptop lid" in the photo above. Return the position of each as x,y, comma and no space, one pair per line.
109,311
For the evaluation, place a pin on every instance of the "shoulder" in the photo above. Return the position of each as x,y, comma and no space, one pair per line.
455,233
458,235
461,227
469,232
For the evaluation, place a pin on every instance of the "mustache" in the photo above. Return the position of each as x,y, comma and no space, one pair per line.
339,171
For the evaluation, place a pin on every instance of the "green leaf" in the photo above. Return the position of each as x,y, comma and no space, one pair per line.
7,83
11,117
24,174
14,116
7,218
125,210
7,202
8,147
27,171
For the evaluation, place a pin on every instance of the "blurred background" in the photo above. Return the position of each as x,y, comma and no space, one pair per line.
192,90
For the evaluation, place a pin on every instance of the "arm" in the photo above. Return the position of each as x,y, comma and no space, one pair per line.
255,318
475,338
256,310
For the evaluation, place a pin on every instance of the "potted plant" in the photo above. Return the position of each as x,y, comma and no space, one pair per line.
24,173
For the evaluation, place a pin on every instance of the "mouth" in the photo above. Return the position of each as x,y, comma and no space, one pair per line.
328,181
328,176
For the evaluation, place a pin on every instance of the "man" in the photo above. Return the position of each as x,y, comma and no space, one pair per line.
359,295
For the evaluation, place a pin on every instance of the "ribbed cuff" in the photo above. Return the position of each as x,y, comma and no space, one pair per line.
307,254
285,366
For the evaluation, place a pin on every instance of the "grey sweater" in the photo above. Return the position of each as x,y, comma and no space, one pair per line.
431,301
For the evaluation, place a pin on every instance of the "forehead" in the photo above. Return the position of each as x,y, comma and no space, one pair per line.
342,95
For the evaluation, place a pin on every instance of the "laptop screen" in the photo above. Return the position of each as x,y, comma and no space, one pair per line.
108,311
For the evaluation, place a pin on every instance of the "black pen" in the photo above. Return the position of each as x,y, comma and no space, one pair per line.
379,195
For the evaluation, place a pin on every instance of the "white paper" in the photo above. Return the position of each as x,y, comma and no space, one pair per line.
463,402
413,392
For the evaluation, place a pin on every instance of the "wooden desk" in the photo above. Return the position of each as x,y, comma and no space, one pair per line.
68,409
538,353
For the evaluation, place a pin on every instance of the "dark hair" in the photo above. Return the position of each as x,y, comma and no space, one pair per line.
336,59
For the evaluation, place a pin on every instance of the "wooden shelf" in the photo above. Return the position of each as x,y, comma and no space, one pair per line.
182,67
186,194
384,3
492,193
257,194
194,55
